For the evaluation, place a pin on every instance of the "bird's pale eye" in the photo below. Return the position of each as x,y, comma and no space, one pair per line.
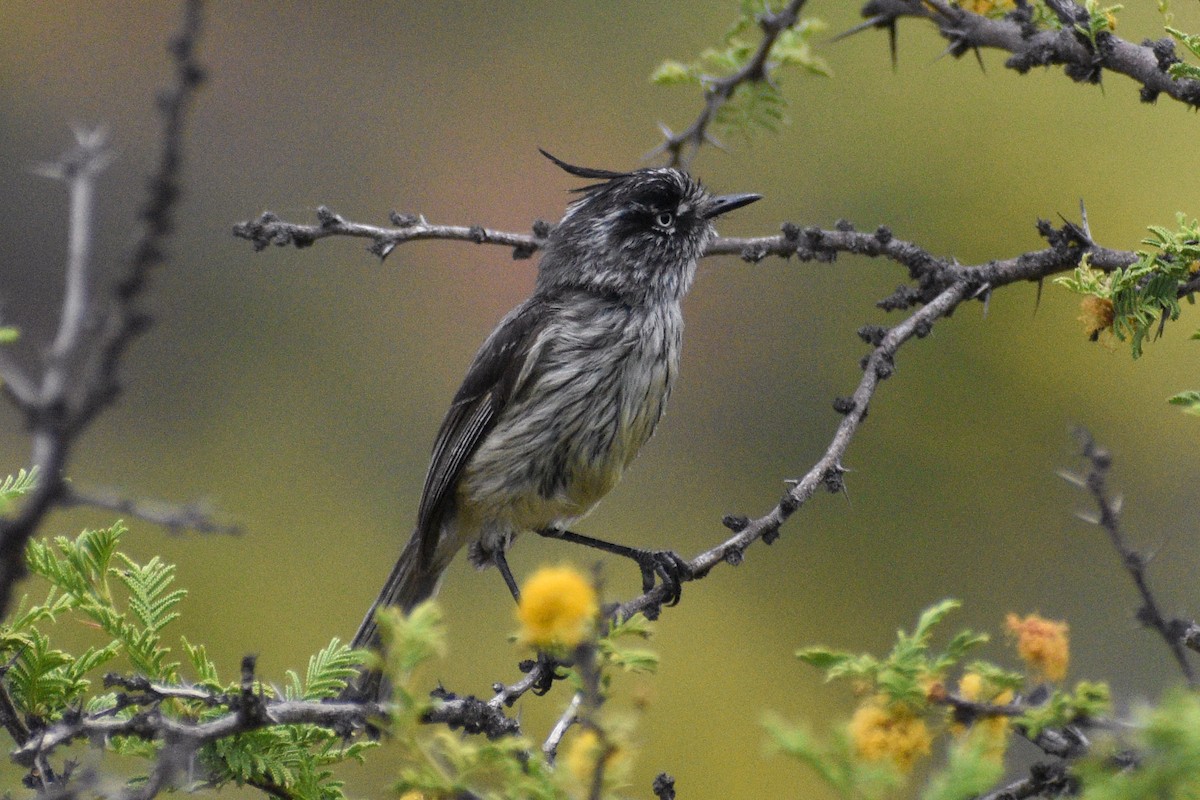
664,219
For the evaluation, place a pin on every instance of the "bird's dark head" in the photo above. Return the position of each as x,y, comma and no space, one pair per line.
636,234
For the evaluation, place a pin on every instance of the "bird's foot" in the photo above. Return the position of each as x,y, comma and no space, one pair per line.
668,567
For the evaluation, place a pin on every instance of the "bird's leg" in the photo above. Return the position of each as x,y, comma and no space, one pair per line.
501,562
669,566
545,668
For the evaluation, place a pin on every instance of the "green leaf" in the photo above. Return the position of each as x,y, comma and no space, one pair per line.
1190,401
963,643
971,771
16,486
630,659
330,670
1144,295
674,73
149,601
1088,701
931,616
45,683
40,679
757,105
997,676
205,669
1167,744
1189,40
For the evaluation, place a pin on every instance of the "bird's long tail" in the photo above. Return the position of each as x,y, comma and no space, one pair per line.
410,583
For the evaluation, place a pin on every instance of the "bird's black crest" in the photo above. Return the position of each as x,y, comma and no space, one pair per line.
585,172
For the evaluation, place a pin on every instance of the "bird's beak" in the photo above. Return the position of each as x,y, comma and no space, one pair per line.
728,202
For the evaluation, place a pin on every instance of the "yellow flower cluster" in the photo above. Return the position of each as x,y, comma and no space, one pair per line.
990,732
889,732
1097,315
558,608
586,752
1041,644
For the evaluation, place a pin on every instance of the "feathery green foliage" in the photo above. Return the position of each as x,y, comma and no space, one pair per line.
1144,295
1167,748
757,104
1101,19
129,605
907,702
1181,70
902,676
16,486
971,770
1089,701
615,651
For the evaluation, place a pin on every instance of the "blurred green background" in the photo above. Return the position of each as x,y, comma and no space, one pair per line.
300,390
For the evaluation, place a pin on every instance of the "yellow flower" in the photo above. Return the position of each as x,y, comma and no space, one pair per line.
893,733
586,752
970,686
1097,315
558,606
990,733
1041,644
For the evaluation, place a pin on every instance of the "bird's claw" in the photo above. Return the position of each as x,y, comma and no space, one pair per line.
669,567
545,672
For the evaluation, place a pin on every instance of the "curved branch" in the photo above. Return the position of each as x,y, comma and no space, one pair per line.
1083,59
828,470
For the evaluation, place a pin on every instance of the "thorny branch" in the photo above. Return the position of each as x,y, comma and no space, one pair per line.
1175,632
79,375
248,710
805,244
938,285
1082,58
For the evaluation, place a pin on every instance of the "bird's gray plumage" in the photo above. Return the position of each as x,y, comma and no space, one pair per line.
563,394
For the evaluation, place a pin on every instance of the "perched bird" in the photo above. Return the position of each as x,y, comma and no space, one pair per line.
563,394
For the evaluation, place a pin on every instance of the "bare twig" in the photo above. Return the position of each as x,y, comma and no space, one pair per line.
565,721
663,786
268,229
78,168
10,717
472,714
80,372
1045,780
1172,631
195,516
